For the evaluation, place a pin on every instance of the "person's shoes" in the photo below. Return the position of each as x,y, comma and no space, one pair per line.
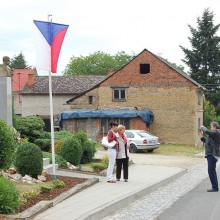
126,180
212,190
118,179
111,181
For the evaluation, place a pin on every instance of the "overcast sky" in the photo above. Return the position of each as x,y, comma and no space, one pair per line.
103,25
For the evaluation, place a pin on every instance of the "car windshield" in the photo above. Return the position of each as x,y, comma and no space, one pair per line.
144,134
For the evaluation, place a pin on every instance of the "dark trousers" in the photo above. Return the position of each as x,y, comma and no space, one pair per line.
212,171
119,163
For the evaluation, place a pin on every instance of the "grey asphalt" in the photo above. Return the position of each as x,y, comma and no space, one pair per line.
196,204
102,198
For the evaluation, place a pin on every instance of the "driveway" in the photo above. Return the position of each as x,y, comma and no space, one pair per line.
161,160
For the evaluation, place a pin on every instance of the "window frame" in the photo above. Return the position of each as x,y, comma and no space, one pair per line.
120,90
104,122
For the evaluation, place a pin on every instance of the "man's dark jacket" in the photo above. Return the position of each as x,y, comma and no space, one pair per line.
212,142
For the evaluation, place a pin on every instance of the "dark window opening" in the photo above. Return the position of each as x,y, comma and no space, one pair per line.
90,99
104,123
144,68
119,94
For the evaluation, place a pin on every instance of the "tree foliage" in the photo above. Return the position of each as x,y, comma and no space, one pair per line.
7,145
29,160
19,62
31,127
204,57
98,63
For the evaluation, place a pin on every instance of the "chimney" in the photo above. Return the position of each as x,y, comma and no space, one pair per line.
110,72
31,80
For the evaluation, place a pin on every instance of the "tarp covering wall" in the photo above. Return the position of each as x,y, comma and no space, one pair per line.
146,115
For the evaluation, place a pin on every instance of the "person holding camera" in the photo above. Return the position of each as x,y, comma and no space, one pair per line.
212,152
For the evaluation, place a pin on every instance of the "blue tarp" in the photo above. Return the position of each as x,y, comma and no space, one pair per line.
146,115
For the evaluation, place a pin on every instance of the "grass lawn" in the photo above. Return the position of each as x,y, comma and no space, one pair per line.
177,149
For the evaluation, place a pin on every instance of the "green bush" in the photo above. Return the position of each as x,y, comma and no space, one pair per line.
81,136
72,151
62,163
31,127
88,151
43,144
62,135
46,188
57,146
97,167
105,160
58,183
7,145
9,196
29,160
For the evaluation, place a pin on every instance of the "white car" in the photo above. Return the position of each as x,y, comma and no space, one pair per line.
141,140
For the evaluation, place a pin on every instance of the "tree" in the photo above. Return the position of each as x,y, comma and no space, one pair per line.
97,63
19,62
204,57
31,127
7,145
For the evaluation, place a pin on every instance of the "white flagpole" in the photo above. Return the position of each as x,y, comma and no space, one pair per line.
51,115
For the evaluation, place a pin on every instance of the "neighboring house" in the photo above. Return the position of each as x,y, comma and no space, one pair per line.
19,79
147,82
35,95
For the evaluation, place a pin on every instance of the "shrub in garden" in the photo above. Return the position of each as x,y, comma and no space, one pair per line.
81,136
72,151
31,127
105,160
9,196
43,144
58,183
29,160
89,150
62,135
62,163
97,167
46,188
57,146
7,145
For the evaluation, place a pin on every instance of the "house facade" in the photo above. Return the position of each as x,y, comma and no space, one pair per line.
35,95
19,79
148,82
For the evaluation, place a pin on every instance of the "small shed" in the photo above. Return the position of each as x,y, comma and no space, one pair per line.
96,122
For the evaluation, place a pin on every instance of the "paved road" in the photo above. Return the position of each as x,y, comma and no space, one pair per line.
172,202
196,204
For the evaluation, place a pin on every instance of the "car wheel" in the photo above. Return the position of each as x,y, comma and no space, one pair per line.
133,148
150,151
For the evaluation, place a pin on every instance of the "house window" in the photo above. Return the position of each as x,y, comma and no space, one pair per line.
144,68
90,100
119,94
104,123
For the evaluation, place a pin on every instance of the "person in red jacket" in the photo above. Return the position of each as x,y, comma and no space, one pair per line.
112,136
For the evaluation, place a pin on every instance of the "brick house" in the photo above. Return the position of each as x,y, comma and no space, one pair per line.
35,94
147,82
19,79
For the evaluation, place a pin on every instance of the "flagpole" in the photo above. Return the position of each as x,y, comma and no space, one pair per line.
51,112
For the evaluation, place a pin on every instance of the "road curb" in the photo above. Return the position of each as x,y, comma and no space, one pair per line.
111,207
44,205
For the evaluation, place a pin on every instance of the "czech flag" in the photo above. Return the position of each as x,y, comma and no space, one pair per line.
49,42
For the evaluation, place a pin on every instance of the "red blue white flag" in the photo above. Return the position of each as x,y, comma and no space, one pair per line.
49,42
